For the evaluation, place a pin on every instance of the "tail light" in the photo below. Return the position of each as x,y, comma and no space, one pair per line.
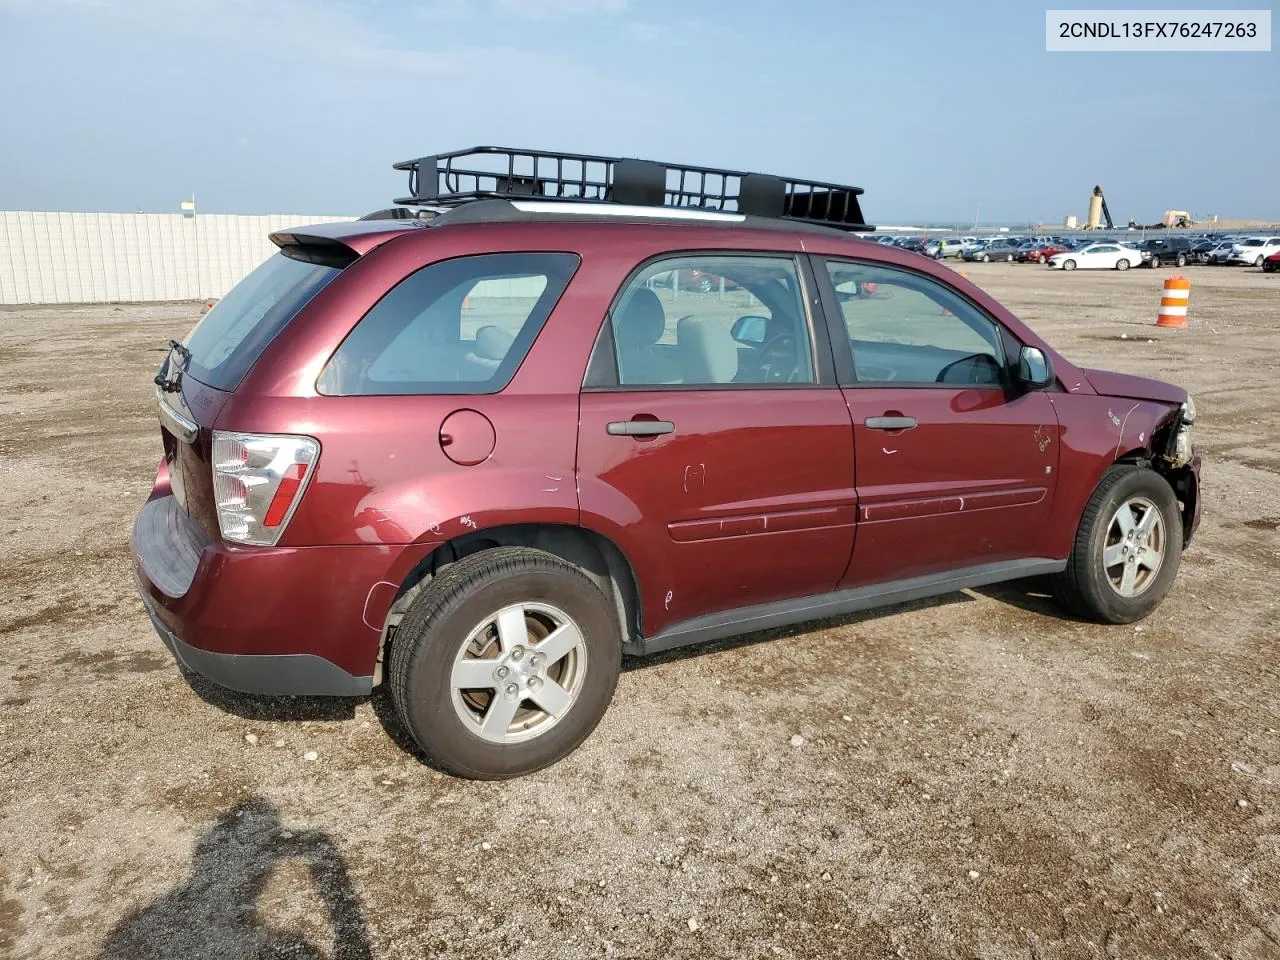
258,481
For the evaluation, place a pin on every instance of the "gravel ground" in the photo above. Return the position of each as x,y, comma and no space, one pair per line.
974,776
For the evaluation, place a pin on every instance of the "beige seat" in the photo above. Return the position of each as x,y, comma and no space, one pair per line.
707,351
637,330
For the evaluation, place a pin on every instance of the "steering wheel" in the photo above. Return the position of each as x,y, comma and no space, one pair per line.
779,359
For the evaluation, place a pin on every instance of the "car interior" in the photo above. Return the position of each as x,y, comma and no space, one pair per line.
756,335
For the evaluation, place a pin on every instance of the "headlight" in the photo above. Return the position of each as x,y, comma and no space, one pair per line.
1189,410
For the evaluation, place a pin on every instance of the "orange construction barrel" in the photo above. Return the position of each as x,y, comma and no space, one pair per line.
1173,302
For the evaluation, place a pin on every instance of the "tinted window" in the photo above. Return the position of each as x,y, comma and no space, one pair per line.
907,329
229,338
460,326
713,320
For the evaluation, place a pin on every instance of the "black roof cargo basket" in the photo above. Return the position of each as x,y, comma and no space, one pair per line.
486,173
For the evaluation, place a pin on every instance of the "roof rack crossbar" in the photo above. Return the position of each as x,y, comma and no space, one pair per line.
485,173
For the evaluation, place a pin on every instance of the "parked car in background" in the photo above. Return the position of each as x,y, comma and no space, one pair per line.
914,244
1003,249
1200,251
943,248
1097,256
1271,264
1159,251
1221,251
1253,250
1041,251
478,459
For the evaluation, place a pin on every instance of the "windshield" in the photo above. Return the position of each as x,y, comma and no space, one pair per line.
229,338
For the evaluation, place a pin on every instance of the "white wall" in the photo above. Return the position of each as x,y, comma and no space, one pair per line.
114,257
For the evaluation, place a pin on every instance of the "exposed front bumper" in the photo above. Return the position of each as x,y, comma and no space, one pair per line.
262,620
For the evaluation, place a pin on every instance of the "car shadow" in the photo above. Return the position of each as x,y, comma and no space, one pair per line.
214,913
792,630
256,707
1032,594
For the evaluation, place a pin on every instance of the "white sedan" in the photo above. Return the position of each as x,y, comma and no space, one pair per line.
1097,256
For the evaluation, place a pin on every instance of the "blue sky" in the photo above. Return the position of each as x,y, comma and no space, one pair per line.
937,109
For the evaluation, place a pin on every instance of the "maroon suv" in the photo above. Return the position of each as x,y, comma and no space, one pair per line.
481,456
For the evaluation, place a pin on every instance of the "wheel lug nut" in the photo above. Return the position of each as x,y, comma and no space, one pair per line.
535,683
512,691
502,672
517,653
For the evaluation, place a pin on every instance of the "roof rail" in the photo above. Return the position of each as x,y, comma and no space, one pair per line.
486,173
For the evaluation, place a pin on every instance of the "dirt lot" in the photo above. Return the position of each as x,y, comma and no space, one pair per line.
979,776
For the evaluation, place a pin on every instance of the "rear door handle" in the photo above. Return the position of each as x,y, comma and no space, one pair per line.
640,428
889,423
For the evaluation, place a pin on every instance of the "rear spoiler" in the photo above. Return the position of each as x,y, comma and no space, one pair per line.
338,244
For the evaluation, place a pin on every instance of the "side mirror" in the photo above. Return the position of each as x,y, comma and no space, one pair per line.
749,330
1034,368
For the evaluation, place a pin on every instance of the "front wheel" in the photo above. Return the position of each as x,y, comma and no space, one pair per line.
1043,259
1182,260
1122,264
1068,264
986,258
1127,548
505,663
1155,261
1258,261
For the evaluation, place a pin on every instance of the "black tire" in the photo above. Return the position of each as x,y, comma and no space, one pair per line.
1182,260
1258,260
1084,588
437,624
1043,259
986,258
1155,260
1122,264
1068,264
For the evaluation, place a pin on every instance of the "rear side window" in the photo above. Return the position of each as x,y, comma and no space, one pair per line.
229,338
461,326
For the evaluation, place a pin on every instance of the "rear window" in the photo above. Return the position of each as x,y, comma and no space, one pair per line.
461,326
229,338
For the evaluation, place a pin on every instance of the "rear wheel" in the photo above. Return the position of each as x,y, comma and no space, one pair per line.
1127,548
1122,264
1068,264
505,663
1043,259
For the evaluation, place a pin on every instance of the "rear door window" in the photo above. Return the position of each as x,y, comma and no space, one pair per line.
229,338
460,326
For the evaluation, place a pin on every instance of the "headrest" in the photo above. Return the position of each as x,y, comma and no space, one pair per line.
708,352
642,321
493,342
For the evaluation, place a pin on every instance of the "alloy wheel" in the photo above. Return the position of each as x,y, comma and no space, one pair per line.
519,672
1134,549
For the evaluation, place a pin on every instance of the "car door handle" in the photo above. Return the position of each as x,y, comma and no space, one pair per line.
640,428
889,423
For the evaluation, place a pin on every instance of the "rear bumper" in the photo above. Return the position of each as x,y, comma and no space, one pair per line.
290,674
262,620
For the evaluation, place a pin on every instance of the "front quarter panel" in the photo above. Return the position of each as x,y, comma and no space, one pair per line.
1096,431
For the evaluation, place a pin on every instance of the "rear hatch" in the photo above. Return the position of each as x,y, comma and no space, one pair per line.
200,374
